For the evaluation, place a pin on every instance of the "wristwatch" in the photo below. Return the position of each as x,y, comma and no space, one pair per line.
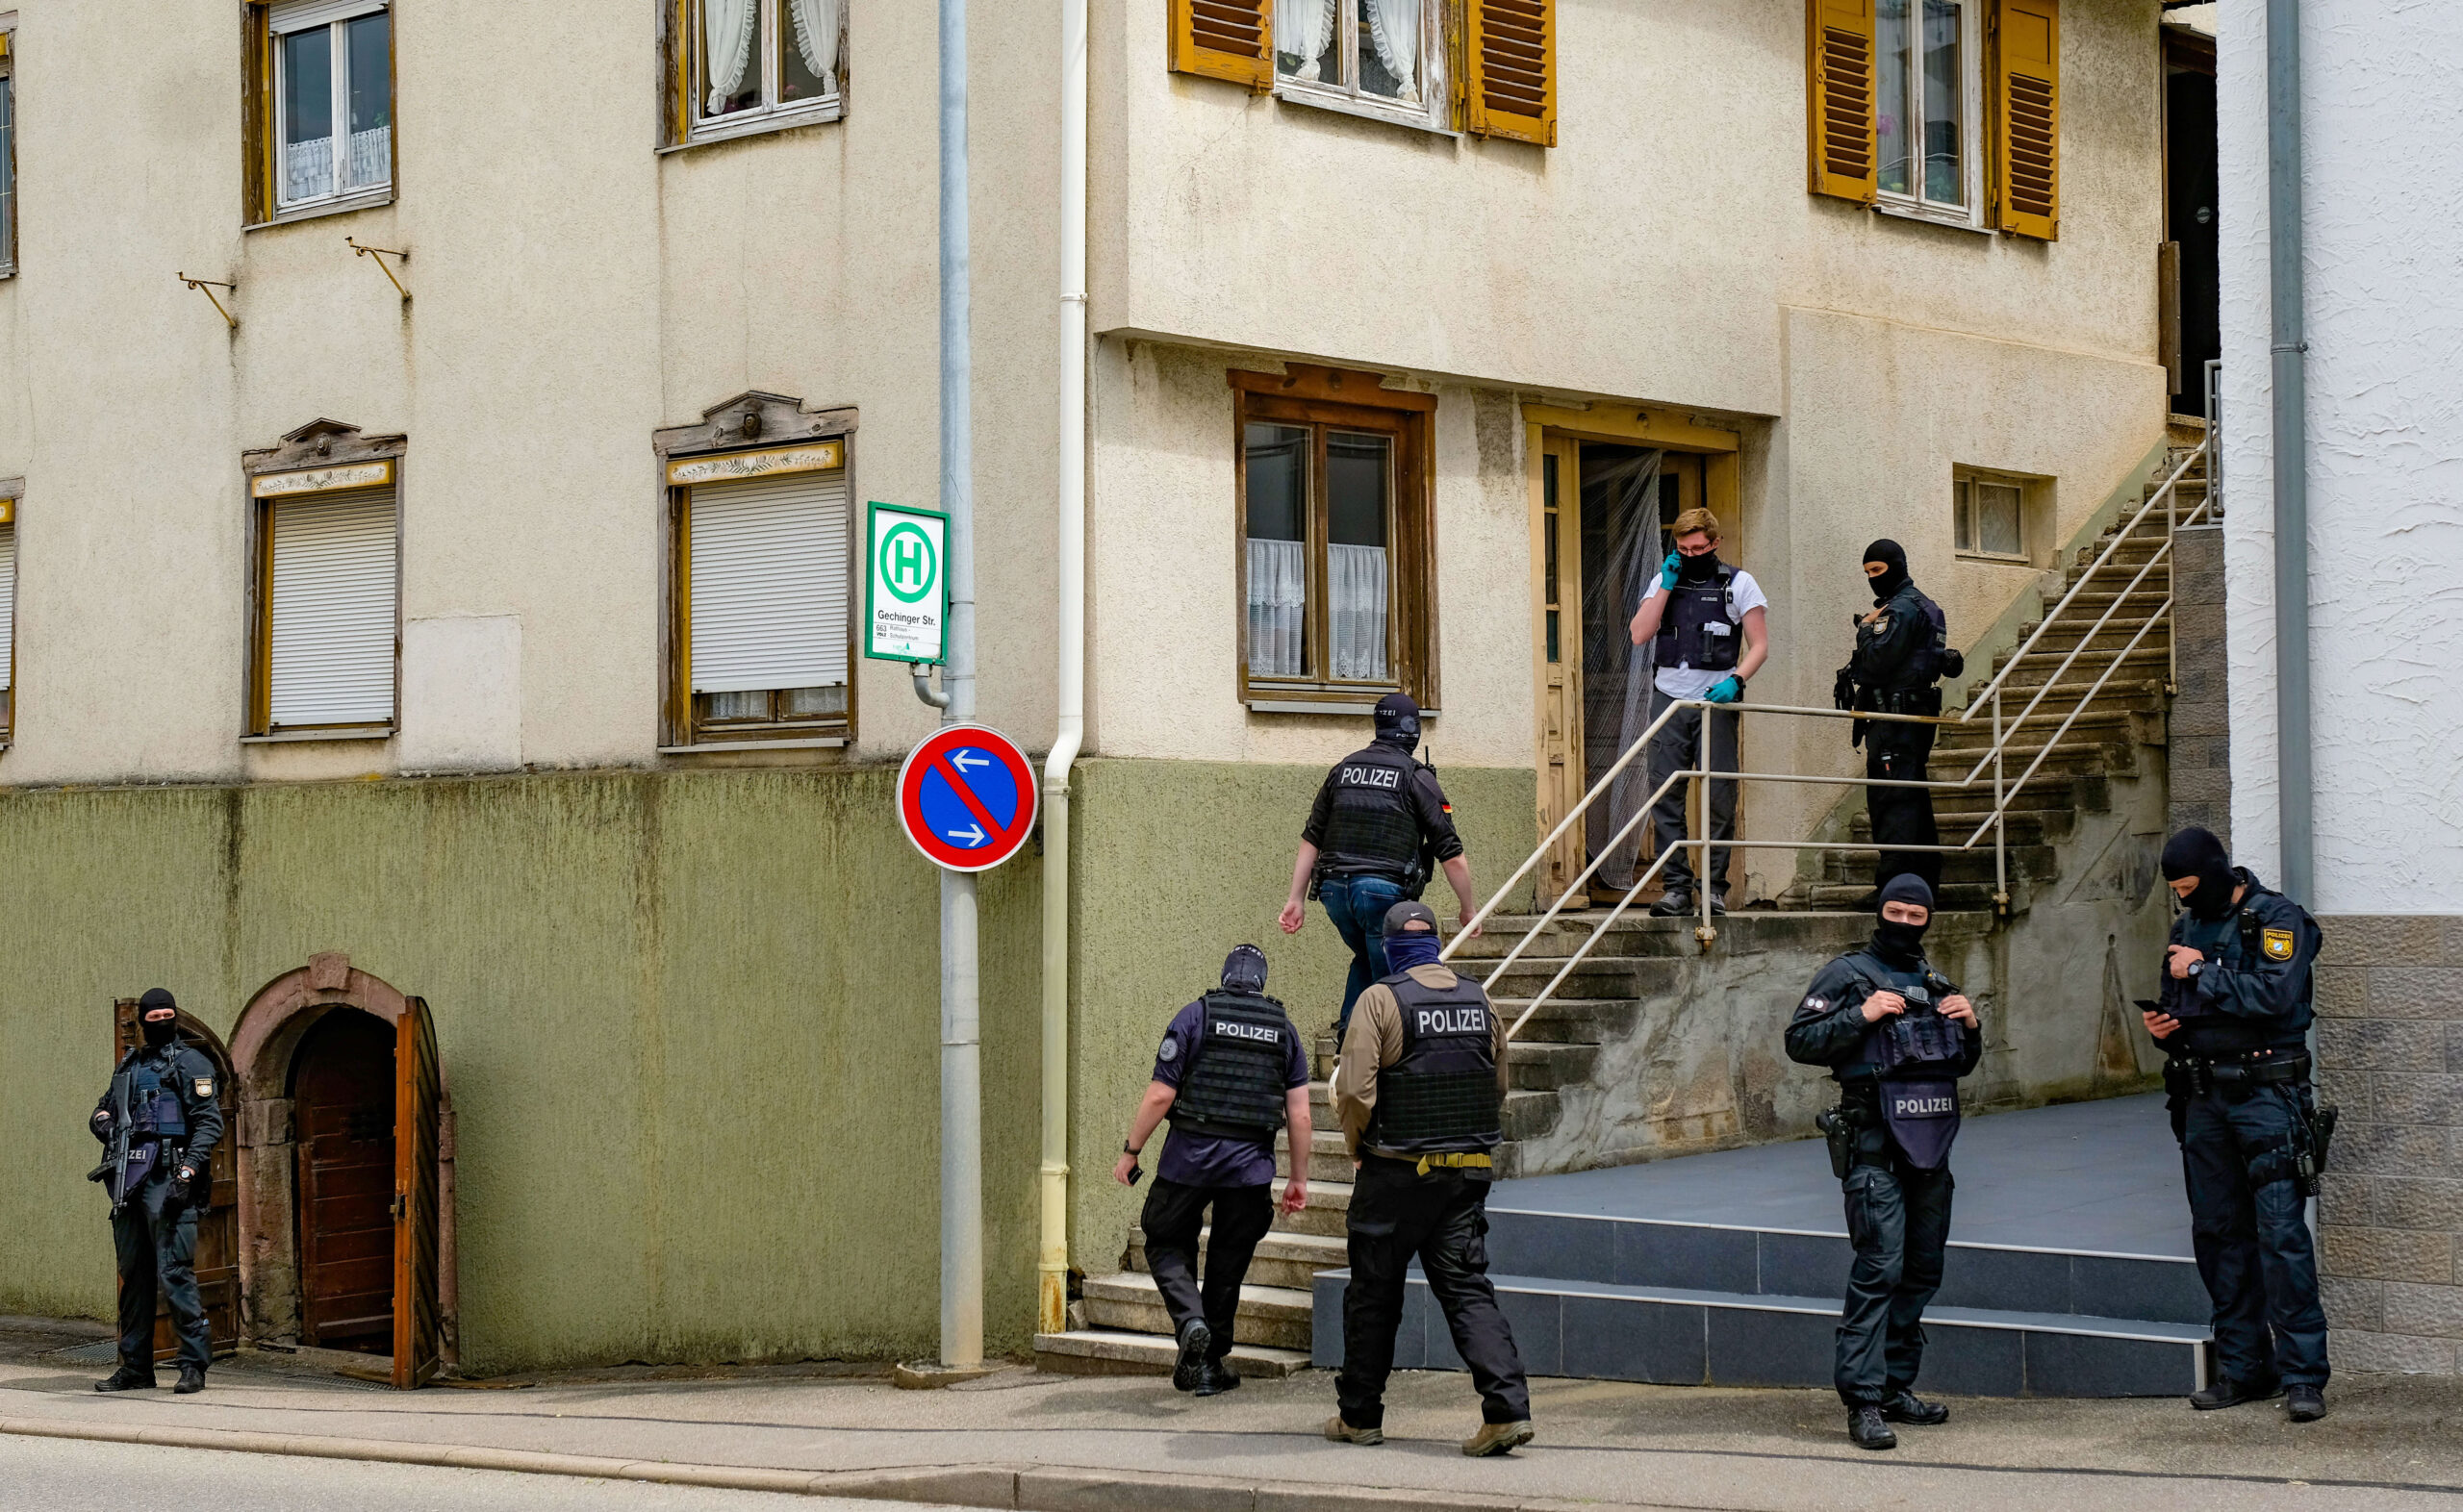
1131,1153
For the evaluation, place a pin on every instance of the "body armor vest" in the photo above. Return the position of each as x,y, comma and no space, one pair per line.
2231,944
154,1107
1697,630
1932,661
1911,1055
1371,827
1234,1082
1441,1097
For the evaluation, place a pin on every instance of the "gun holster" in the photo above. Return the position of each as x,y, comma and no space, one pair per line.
2317,1136
1839,1132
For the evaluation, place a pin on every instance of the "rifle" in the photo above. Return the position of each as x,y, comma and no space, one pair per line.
113,1171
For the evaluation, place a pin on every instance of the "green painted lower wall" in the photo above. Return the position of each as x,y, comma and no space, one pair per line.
1174,864
688,1021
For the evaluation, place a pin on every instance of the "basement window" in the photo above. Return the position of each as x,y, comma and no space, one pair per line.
1991,519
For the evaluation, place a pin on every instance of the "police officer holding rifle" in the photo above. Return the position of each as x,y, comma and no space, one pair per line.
1898,1036
2234,1025
159,1123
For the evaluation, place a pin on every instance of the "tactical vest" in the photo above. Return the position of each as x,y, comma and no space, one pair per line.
154,1107
2231,943
1697,630
1441,1095
1913,1057
1371,827
1931,662
1234,1083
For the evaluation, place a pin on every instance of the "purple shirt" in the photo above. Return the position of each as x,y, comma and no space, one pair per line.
1215,1160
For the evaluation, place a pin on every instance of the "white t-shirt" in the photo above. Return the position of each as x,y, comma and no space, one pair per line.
1744,595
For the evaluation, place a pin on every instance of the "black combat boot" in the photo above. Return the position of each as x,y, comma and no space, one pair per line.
2305,1403
191,1380
1908,1407
1196,1338
125,1379
1217,1379
2225,1392
1867,1430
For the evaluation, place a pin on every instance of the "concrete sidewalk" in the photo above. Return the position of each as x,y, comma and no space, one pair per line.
1019,1438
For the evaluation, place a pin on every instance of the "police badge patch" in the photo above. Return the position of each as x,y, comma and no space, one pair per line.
205,1086
2276,943
1171,1051
1816,1005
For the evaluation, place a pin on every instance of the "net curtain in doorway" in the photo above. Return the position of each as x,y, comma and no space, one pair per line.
1620,556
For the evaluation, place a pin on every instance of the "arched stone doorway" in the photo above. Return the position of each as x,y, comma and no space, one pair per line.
345,1170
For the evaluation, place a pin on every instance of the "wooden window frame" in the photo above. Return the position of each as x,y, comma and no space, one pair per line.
1322,398
681,122
1441,29
262,124
319,444
1975,133
12,495
9,173
751,422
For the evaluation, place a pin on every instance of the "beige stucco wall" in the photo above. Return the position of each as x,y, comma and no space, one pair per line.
575,289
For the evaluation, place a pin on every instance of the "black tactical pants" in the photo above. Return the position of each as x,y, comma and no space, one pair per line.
1443,1221
2248,1226
154,1238
1898,1219
1174,1216
1678,747
1901,815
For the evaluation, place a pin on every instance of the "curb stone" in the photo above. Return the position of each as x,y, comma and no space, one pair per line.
1012,1488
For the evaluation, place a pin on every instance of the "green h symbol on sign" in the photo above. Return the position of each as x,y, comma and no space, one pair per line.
909,566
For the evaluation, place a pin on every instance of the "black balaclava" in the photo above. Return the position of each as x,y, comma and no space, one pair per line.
1902,945
1697,569
2195,852
1398,720
1244,970
1406,948
1894,556
157,1035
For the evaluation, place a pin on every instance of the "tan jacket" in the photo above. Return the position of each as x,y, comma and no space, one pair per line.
1375,1041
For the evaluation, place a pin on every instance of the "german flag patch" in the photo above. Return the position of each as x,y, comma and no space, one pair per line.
2276,943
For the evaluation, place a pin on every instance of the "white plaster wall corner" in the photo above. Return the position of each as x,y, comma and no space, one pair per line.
461,693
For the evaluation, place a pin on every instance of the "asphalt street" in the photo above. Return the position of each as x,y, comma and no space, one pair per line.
65,1475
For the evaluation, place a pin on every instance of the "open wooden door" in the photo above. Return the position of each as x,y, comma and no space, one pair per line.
419,1096
217,1224
1559,646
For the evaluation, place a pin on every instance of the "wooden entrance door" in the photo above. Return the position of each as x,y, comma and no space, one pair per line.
217,1227
418,1105
1560,669
344,1105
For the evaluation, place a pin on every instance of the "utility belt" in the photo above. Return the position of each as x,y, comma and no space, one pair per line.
1412,878
2198,1076
1252,1133
1449,1160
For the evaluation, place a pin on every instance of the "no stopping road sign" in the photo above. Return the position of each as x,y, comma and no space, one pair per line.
967,797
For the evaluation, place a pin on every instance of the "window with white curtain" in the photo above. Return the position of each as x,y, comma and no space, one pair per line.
748,64
333,101
8,154
1333,600
328,581
8,617
1929,80
1383,58
1990,517
763,612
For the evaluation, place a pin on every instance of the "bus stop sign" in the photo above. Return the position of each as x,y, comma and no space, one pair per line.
967,797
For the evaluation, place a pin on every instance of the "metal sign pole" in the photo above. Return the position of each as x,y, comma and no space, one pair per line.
961,1047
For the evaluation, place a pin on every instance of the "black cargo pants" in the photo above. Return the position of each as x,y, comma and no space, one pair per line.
1174,1215
1443,1221
1902,815
2248,1226
154,1239
1899,1219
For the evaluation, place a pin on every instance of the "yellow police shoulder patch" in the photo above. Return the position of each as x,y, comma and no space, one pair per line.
205,1086
2276,943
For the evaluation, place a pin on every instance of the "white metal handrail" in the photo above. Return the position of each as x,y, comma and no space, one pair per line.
1994,757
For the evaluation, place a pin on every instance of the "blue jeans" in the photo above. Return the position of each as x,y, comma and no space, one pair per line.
1357,907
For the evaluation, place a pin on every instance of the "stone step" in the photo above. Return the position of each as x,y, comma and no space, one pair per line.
1108,1351
1570,1020
1845,896
1544,1066
1328,1158
1289,1260
1276,1317
2034,863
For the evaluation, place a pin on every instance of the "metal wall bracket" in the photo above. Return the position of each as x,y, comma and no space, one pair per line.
380,254
207,286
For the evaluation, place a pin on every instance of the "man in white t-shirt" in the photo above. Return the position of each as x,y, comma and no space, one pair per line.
1708,627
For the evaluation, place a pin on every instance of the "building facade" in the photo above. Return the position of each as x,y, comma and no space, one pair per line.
429,539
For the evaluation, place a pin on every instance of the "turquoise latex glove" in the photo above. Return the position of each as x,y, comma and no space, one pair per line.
1668,573
1727,690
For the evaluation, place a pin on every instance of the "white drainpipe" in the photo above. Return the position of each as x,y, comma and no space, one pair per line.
1070,684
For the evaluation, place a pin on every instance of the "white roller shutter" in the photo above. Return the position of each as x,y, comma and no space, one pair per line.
769,583
297,15
8,605
333,608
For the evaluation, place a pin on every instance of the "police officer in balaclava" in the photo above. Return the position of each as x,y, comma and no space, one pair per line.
1230,1075
159,1123
1896,1036
1902,652
1379,826
2234,1025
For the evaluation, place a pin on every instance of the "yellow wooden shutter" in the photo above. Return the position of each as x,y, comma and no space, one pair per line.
1225,40
1839,108
1510,87
2027,117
